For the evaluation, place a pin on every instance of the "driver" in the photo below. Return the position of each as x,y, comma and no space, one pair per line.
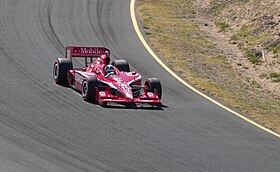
109,70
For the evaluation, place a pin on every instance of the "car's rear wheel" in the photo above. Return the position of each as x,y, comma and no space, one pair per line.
60,68
122,65
153,85
89,89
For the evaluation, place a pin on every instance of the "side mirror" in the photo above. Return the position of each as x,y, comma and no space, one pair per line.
84,69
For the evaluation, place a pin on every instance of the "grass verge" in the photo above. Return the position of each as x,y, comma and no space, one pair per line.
172,29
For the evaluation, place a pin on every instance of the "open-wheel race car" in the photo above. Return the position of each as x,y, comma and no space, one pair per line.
87,70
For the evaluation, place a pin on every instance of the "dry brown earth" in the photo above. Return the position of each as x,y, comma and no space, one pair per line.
228,48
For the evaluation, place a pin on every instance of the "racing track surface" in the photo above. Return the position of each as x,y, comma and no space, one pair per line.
45,127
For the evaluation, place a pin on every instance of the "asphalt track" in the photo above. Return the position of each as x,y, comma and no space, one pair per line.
46,127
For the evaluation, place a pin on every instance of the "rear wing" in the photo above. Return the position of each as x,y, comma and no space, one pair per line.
85,52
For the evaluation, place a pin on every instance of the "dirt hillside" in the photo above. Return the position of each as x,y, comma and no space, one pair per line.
229,48
253,25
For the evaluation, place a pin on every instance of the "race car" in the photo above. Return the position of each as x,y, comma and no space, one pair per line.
87,70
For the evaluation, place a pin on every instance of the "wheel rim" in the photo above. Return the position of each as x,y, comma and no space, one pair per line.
55,71
84,89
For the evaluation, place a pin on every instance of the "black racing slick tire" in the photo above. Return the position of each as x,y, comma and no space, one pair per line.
122,65
153,85
60,69
89,89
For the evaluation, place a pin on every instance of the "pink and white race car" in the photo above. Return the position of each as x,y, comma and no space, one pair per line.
87,70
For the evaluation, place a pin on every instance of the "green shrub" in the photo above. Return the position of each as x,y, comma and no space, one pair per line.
276,80
274,75
253,58
276,48
223,26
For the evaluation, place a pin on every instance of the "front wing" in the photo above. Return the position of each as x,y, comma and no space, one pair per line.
147,97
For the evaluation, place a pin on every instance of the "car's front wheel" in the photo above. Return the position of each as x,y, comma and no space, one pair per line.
153,85
89,89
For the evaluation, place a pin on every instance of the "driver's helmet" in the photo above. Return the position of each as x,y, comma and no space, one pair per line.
105,59
109,69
